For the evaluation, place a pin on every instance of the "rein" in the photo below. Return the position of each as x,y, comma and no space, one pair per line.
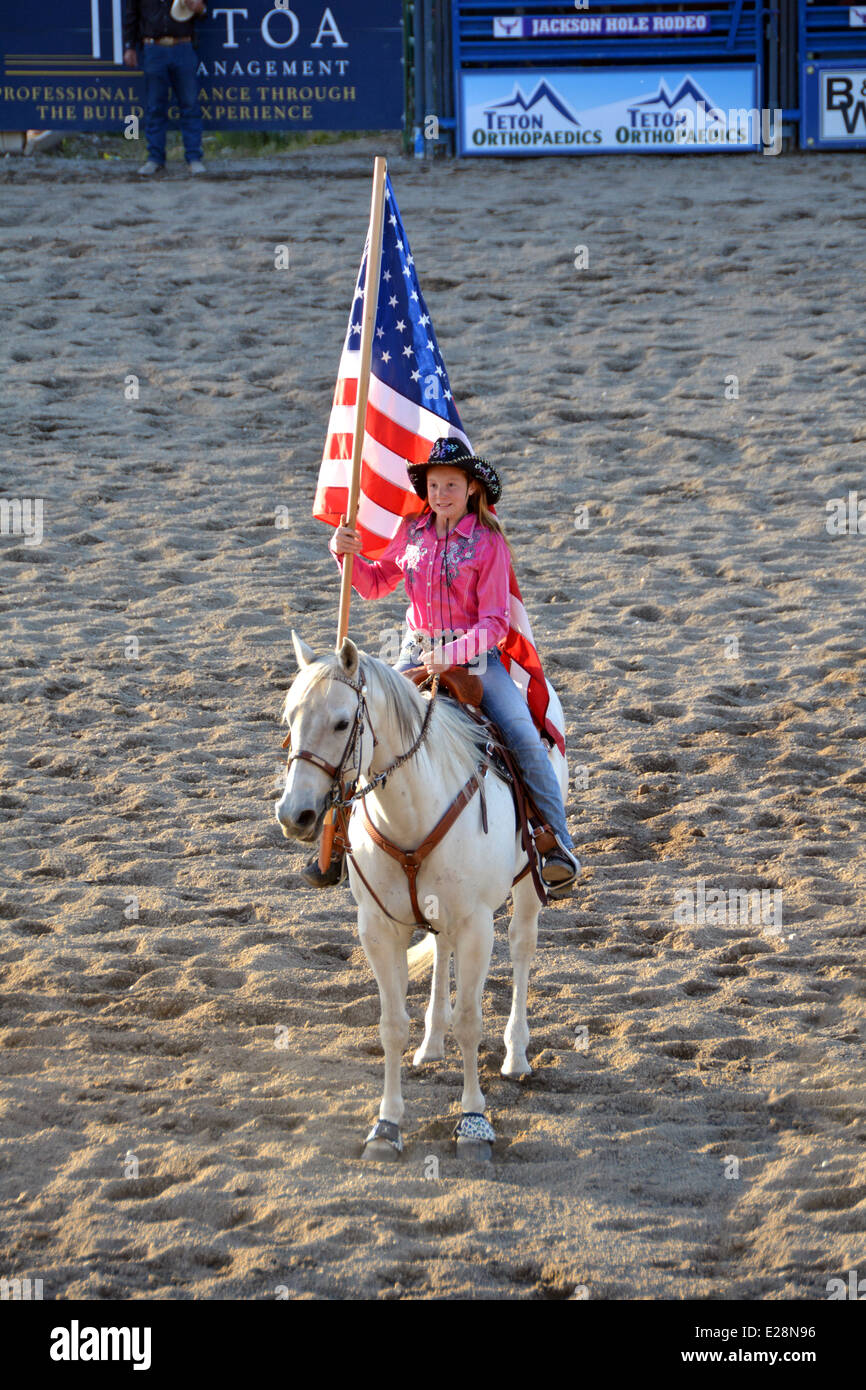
381,777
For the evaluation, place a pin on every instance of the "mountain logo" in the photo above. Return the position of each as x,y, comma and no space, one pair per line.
520,112
687,92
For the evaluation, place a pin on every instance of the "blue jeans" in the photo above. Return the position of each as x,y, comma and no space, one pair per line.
503,703
172,65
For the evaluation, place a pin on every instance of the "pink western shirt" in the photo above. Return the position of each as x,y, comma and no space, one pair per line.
468,595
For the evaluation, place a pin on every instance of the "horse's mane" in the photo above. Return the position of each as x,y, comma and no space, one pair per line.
453,738
462,742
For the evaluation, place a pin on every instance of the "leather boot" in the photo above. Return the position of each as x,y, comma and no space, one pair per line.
559,871
334,874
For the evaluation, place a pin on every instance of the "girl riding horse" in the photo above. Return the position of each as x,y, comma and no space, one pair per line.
455,562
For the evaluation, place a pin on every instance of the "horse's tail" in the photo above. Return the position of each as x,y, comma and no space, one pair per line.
420,957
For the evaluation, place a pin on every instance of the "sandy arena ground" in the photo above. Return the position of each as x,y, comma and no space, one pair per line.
736,763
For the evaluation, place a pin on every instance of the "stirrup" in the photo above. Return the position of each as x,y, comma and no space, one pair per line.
562,887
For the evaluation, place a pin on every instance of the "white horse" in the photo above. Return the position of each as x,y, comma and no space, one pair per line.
352,706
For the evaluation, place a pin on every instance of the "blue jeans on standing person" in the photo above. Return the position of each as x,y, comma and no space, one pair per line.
172,65
504,704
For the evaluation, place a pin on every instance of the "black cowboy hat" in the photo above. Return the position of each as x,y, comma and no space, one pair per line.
453,453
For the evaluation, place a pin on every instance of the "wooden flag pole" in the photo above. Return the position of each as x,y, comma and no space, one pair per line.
368,325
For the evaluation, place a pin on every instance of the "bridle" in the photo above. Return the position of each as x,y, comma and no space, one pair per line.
336,772
337,795
340,797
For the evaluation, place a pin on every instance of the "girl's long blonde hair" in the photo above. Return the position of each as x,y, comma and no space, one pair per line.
477,503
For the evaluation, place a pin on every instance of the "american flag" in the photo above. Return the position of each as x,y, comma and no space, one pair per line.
409,407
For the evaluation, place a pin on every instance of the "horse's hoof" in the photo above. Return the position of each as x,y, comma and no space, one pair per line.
516,1073
474,1150
384,1142
475,1136
380,1151
422,1057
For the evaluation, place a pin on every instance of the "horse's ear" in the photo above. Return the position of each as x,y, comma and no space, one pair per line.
303,654
348,654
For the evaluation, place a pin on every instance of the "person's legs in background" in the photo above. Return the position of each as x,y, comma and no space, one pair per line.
185,83
155,69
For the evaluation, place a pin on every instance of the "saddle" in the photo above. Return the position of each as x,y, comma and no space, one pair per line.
468,690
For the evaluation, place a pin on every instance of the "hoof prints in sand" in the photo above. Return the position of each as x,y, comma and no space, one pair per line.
703,632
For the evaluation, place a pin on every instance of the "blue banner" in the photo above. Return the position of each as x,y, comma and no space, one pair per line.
297,65
639,110
549,26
